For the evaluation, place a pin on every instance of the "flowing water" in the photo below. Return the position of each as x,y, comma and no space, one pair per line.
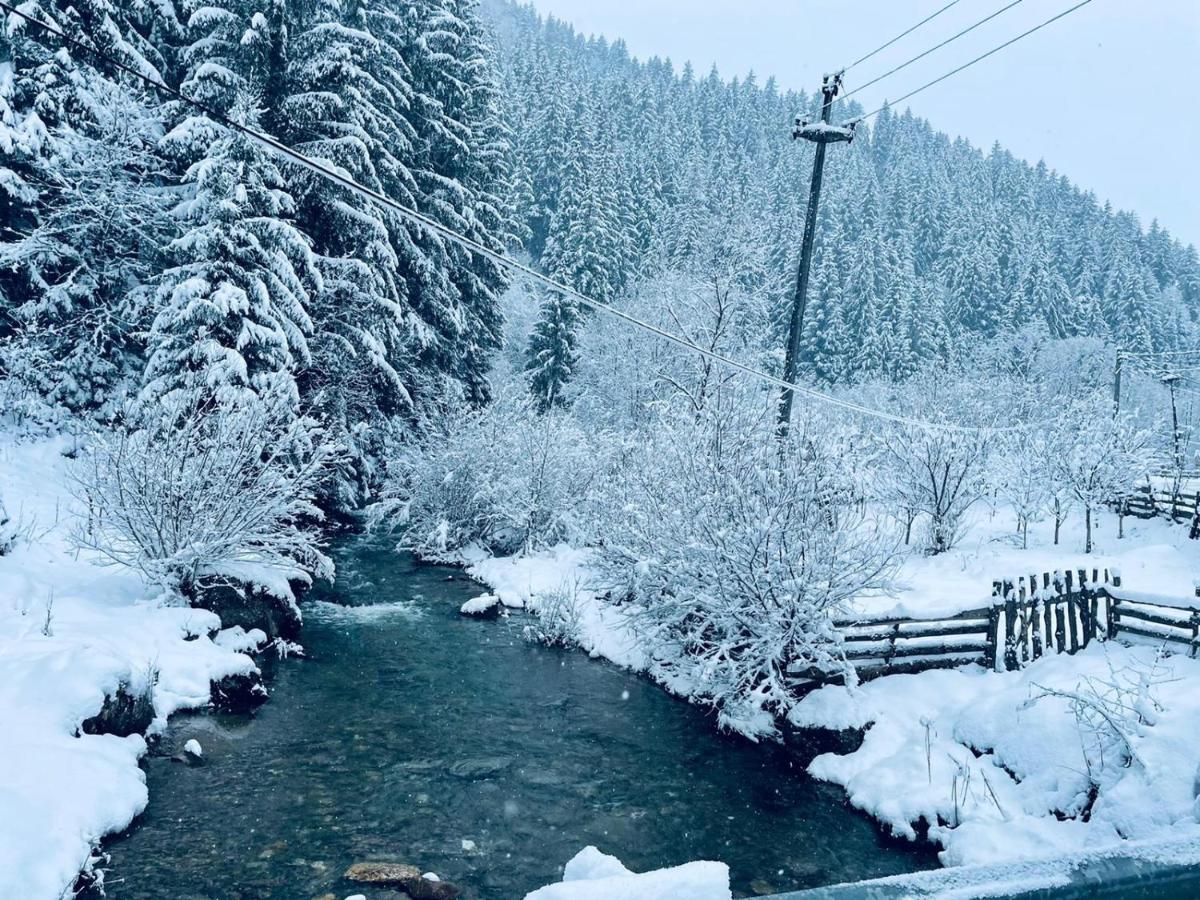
413,734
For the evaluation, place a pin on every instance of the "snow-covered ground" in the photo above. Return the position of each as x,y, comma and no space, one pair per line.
1155,556
966,751
71,631
968,748
592,875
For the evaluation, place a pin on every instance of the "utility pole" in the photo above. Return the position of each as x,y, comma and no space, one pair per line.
1117,383
820,133
1171,380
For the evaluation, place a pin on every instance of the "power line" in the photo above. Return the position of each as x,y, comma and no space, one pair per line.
499,257
902,34
936,47
967,65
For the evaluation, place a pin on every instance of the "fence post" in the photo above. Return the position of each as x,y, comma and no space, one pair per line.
1011,629
1070,640
1087,619
991,655
1110,608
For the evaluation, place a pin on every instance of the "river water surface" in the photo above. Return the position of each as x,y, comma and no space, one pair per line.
413,734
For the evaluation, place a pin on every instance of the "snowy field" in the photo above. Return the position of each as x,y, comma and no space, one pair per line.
1154,557
1004,767
71,631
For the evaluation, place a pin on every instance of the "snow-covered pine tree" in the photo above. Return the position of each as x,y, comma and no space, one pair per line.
231,319
552,354
81,219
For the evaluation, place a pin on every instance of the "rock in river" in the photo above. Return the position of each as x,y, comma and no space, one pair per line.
408,878
386,873
485,606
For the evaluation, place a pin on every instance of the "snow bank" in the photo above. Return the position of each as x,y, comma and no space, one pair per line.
592,875
71,632
966,748
527,581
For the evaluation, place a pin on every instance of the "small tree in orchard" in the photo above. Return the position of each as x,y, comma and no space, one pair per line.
1023,479
1103,462
938,467
193,493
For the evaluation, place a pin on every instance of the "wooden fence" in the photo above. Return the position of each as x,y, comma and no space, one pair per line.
1151,502
1029,617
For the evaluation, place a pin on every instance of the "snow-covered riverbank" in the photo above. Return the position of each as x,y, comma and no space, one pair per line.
1073,754
71,633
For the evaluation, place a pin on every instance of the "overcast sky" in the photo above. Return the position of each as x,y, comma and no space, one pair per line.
1106,95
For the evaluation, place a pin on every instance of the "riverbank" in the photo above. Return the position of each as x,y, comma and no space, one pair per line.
1073,753
78,638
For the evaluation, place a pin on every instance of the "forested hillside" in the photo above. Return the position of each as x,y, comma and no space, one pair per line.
626,168
146,252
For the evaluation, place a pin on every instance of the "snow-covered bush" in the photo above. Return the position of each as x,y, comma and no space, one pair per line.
558,622
194,494
8,530
502,476
1111,715
735,551
937,472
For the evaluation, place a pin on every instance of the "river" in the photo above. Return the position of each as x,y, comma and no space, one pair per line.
413,734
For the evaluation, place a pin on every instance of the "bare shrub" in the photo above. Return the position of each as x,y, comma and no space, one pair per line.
193,494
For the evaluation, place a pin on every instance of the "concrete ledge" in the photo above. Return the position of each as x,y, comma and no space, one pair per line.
1142,869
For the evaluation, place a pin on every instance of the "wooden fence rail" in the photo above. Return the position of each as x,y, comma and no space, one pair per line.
1029,617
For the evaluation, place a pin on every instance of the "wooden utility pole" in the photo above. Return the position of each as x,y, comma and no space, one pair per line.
1117,383
820,133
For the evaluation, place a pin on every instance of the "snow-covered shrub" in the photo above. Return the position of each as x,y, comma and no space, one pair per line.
559,618
1111,715
193,494
8,530
502,476
735,551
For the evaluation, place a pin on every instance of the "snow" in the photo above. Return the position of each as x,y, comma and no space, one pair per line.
1013,764
478,606
592,875
523,581
71,632
1023,761
193,748
1155,558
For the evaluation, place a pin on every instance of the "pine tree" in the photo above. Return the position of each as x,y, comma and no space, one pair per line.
552,351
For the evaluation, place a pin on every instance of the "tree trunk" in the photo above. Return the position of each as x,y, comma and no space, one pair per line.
1087,518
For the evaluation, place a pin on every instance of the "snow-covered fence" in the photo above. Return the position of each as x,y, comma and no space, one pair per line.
1054,612
1157,617
1152,501
1030,616
894,646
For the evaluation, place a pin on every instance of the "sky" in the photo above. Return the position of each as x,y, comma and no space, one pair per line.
1104,95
